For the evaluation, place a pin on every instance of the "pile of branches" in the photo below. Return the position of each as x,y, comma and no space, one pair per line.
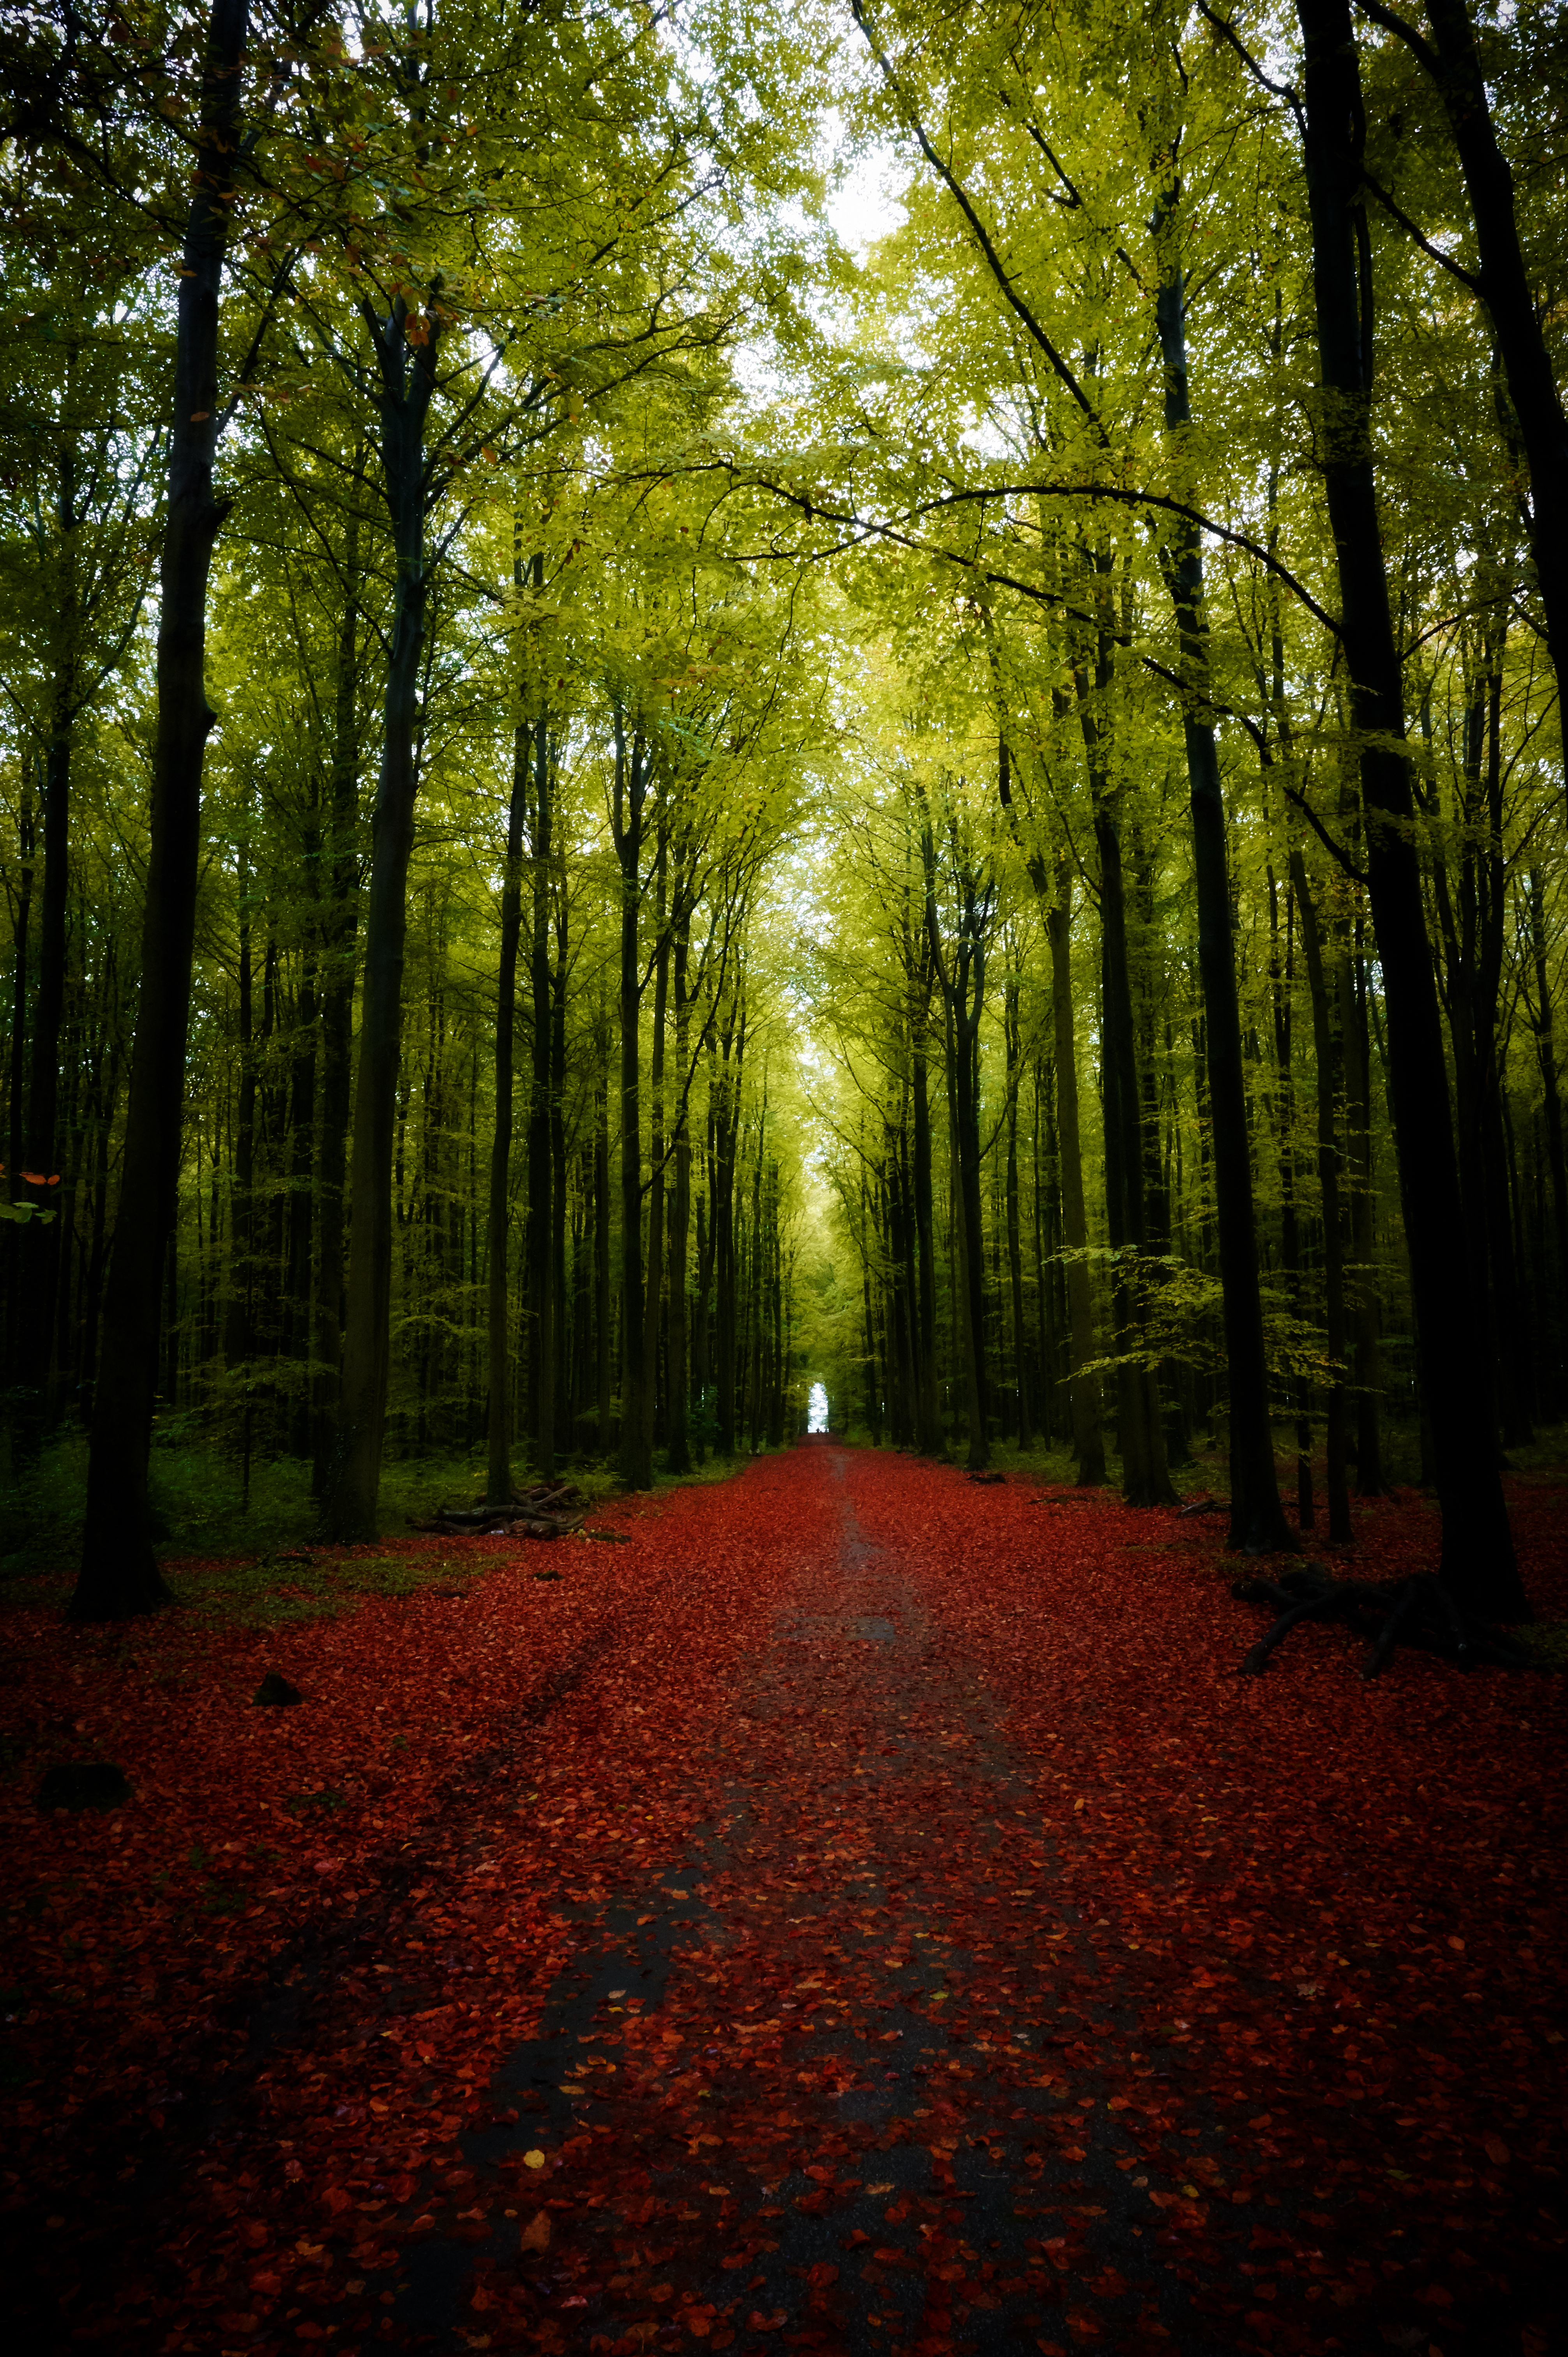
1388,1612
549,1510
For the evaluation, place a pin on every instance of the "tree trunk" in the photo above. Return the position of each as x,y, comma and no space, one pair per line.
339,922
1504,286
16,1090
540,1143
238,1340
119,1573
1326,1057
1477,1559
726,1125
294,1341
1257,1519
1014,1234
630,796
1546,1056
1088,1435
961,979
929,1438
678,1455
408,374
498,1470
647,1388
1145,1481
603,1364
42,1255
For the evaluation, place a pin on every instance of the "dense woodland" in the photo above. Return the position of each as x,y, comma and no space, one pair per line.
616,797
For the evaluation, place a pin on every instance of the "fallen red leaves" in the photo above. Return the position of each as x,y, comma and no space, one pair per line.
1015,1965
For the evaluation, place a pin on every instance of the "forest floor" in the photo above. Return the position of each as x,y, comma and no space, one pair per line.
862,1910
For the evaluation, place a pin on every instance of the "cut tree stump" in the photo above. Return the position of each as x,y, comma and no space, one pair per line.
1418,1612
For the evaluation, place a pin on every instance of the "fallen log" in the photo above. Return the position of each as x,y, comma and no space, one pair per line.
546,1509
1417,1611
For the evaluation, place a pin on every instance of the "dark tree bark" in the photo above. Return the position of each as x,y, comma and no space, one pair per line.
42,1244
678,1448
1257,1518
1014,1233
1366,1352
541,1290
929,1438
1453,63
407,382
1327,1057
559,931
960,976
119,1573
1146,1479
294,1341
647,1385
1478,1561
497,1460
339,922
1083,1390
727,1083
628,819
1543,1018
238,1340
603,1360
1281,981
16,1081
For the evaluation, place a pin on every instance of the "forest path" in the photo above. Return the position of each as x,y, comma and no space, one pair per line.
828,2143
861,1911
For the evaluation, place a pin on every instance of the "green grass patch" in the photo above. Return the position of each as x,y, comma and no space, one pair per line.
272,1593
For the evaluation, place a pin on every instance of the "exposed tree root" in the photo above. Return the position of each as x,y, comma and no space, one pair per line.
1418,1612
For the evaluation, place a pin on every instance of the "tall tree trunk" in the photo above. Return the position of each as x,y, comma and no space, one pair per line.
408,379
238,1339
1014,1234
540,1142
929,1438
1145,1480
1544,1017
339,922
41,1243
295,1334
119,1573
1325,1045
867,1322
16,1087
959,975
647,1405
1257,1519
727,1076
678,1455
1504,286
628,818
1477,1558
1366,1353
497,1464
1083,1390
1282,984
603,1360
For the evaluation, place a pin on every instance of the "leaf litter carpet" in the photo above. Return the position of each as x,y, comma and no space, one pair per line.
865,1911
